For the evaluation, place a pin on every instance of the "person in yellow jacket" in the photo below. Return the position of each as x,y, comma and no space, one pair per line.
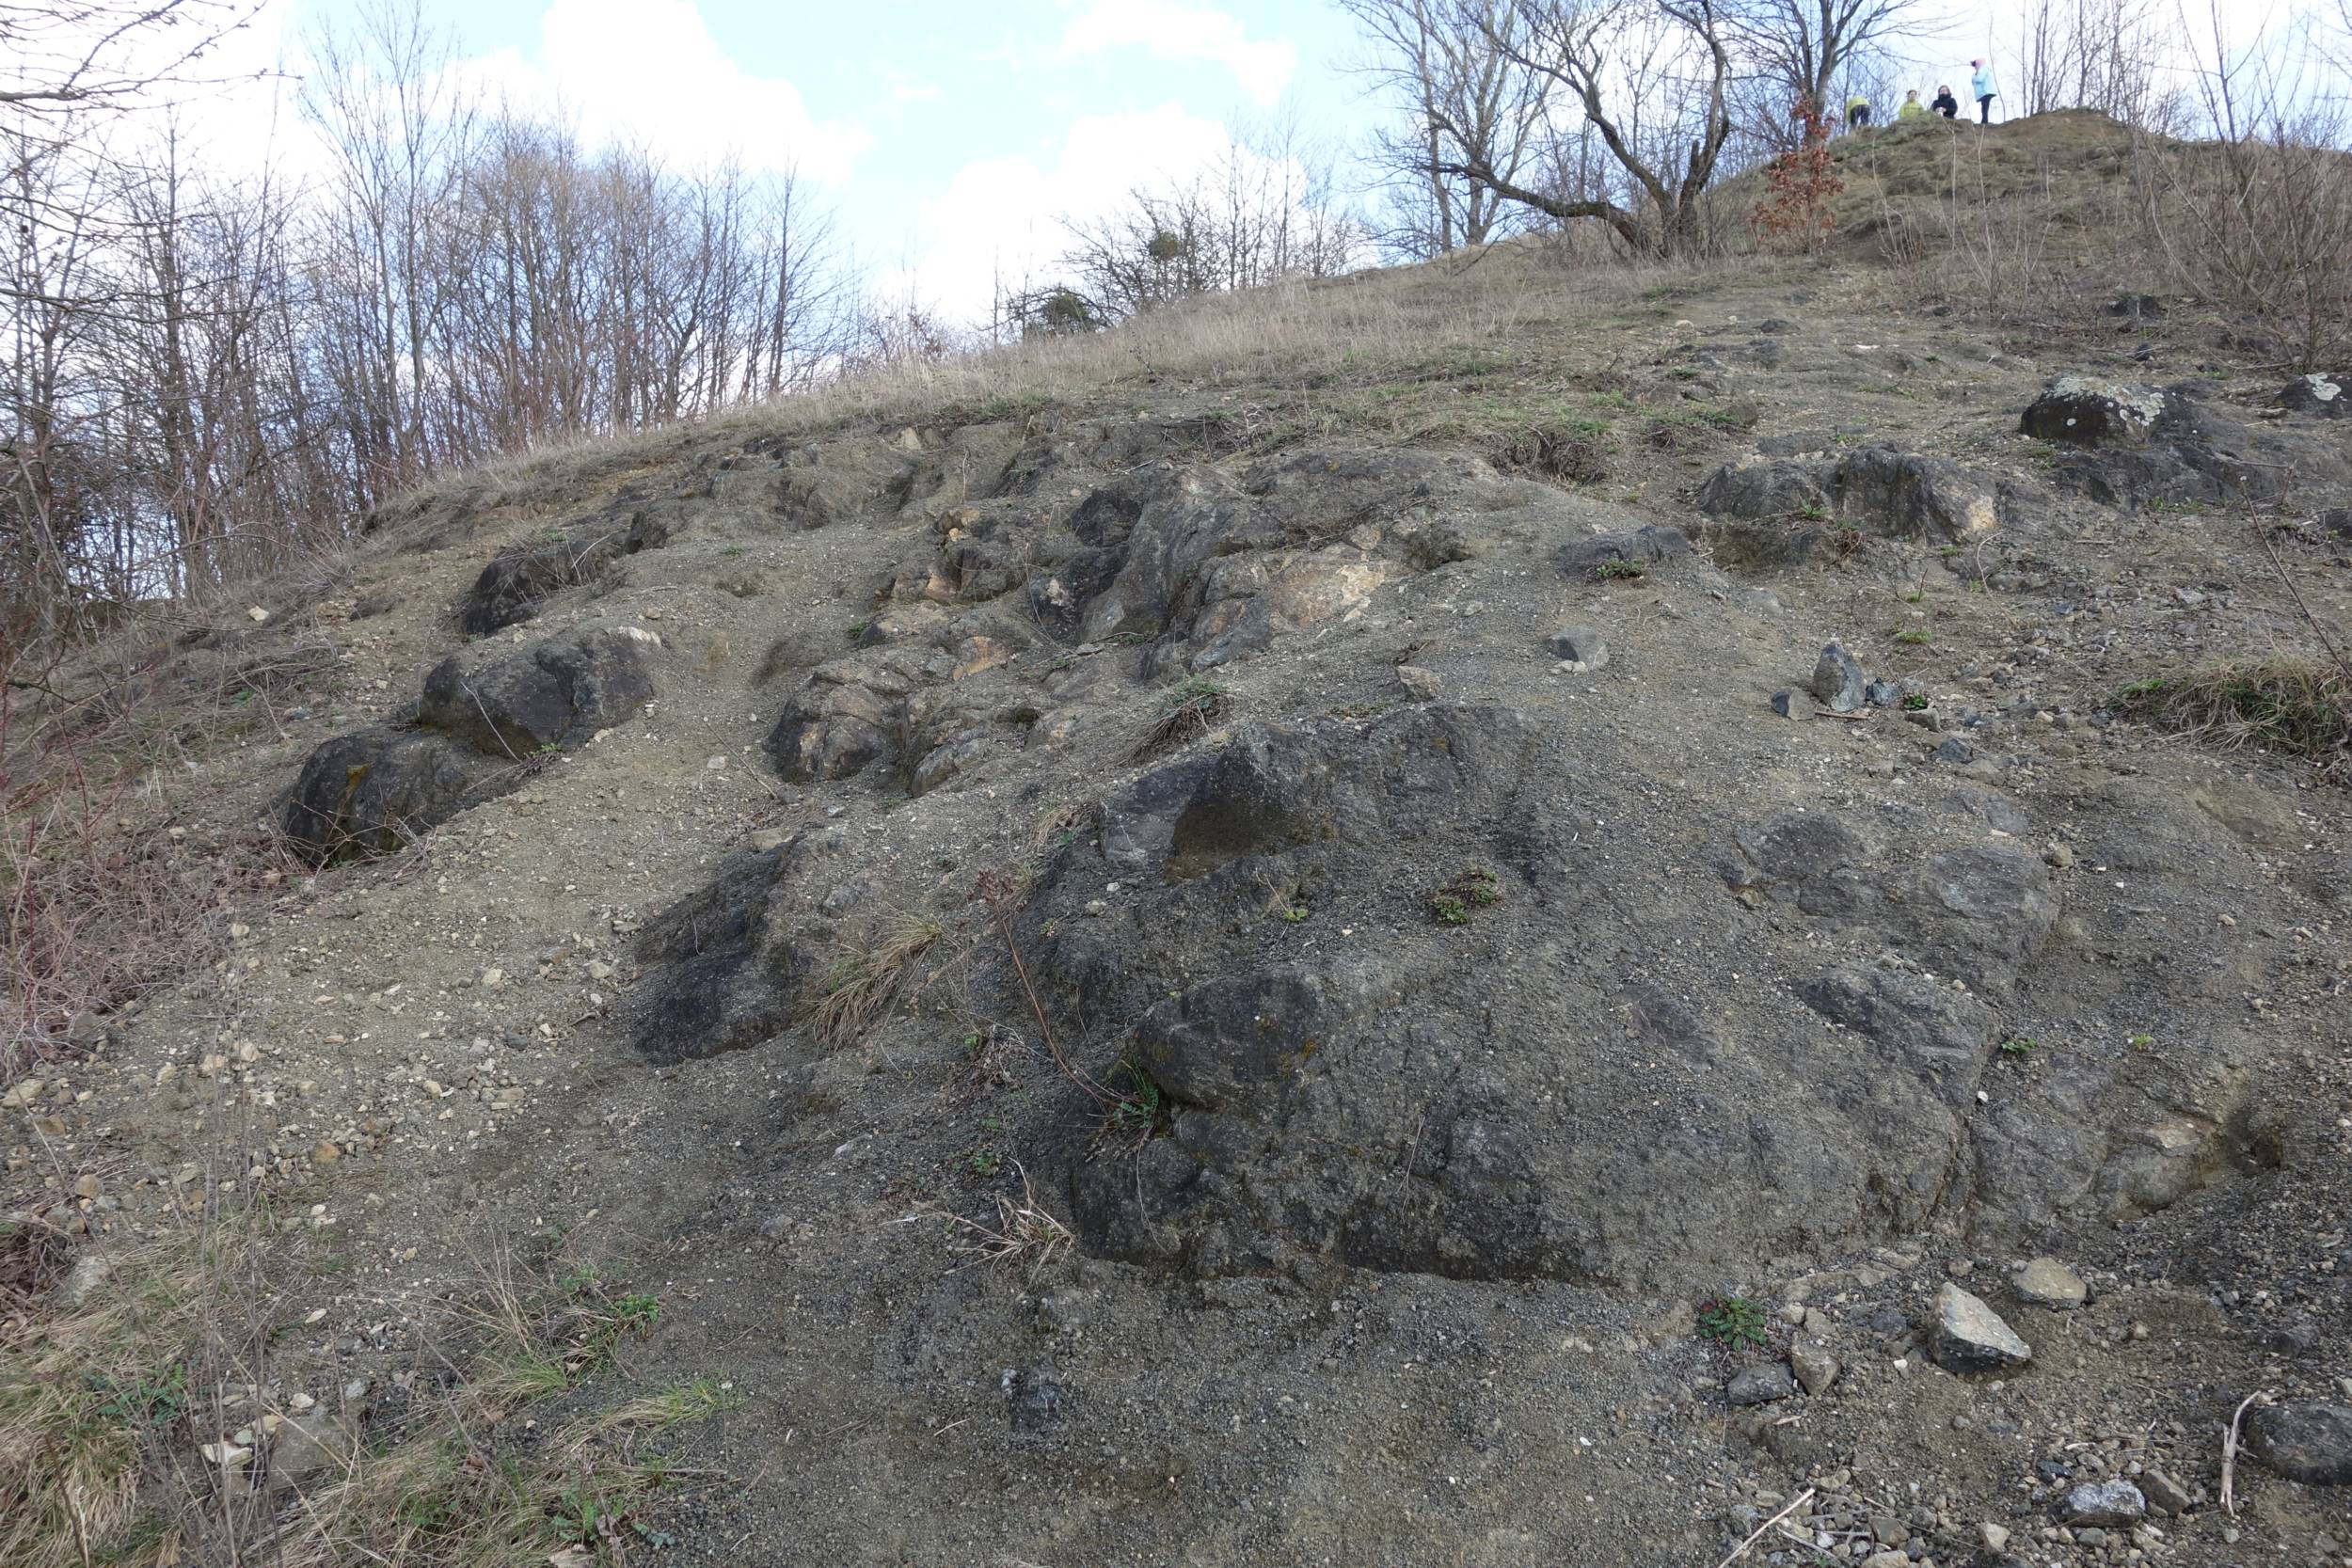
1912,109
1857,112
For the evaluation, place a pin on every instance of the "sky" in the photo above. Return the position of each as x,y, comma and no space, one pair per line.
949,137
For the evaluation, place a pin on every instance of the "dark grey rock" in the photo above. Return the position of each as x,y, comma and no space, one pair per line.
1885,693
374,790
2114,1501
1036,1399
1838,681
2137,307
512,701
2322,394
1760,1383
2303,1440
518,579
1789,706
2089,412
1955,751
1647,546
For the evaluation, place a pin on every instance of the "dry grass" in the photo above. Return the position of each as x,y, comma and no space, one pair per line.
108,1402
1024,1231
1186,711
866,972
2299,707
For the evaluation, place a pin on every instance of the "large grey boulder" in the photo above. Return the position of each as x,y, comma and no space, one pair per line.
371,791
512,701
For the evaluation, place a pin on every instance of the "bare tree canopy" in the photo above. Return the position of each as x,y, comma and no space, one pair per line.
69,53
1462,100
1648,79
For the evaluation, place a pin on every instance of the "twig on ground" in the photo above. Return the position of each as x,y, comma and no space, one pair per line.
2230,1447
1787,1509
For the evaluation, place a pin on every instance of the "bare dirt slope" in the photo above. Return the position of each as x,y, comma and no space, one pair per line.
1443,972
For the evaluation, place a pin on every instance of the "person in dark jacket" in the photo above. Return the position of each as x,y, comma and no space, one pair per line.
1945,104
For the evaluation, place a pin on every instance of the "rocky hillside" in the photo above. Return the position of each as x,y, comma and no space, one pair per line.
1493,916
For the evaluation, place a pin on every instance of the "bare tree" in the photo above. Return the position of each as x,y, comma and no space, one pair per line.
1648,79
1803,50
1266,211
2091,55
1463,99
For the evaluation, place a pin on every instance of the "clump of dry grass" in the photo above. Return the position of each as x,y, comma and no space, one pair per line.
2300,706
866,974
1024,1231
1186,710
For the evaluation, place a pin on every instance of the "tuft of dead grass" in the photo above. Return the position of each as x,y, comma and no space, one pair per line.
1186,711
866,972
2296,706
1024,1233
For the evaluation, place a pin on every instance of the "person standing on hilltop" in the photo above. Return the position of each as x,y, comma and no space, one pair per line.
1912,109
1980,84
1857,112
1945,104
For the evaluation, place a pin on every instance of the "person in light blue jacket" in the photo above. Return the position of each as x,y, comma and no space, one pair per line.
1980,84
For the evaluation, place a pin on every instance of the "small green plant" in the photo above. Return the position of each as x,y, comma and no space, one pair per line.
1296,913
1917,702
2020,1045
548,748
143,1400
2141,1043
1476,887
1914,637
986,1162
1918,595
858,629
1615,571
1732,1322
636,1313
1814,512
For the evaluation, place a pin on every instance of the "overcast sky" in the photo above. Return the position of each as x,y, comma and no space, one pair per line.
949,134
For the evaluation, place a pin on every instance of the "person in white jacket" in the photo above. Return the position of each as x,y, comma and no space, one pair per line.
1980,84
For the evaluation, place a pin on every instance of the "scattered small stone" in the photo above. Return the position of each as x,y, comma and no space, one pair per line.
1969,1336
1785,704
1995,1537
1956,750
1579,645
2115,1501
2164,1495
1420,684
1883,694
2047,1282
493,978
1814,1365
1760,1384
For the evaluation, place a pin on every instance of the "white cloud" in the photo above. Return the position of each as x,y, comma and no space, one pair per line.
649,71
1175,31
1001,217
